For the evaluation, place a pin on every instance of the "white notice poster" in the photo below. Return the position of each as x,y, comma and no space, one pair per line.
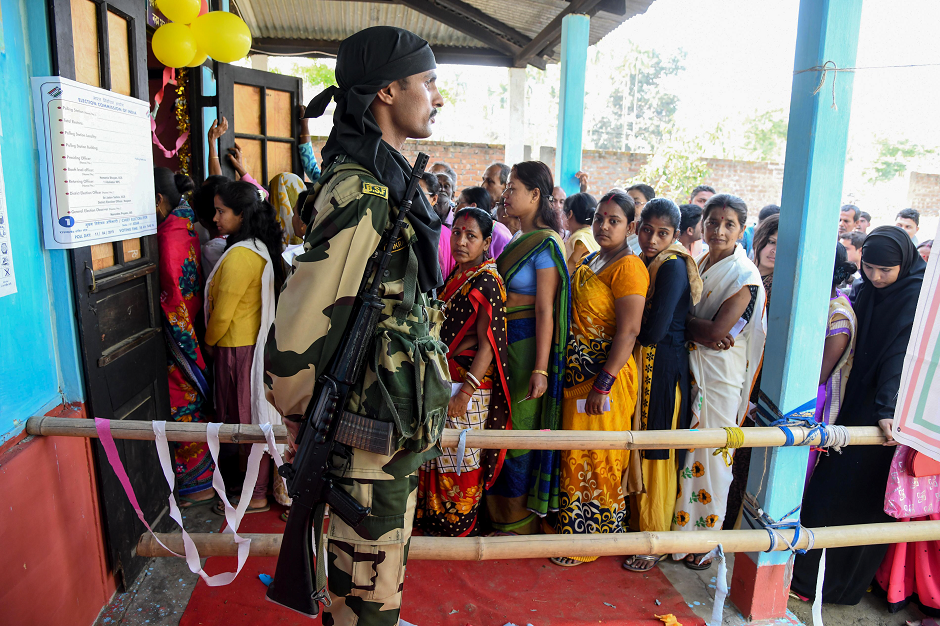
7,275
96,166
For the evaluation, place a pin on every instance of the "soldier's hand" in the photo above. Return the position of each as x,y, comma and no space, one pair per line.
293,429
538,385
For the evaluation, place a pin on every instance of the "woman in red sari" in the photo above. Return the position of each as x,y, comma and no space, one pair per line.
450,487
181,303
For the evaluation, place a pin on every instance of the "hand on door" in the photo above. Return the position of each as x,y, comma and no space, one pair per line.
235,158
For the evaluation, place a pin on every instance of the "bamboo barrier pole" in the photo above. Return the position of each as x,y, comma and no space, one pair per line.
756,437
546,546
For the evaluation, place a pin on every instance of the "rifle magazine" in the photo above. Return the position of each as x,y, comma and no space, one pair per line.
366,433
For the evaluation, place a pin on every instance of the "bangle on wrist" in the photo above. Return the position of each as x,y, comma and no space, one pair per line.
604,381
469,395
601,391
472,380
542,372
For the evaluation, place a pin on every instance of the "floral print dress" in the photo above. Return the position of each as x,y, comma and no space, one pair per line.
181,303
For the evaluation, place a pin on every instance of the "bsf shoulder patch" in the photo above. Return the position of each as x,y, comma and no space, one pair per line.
375,190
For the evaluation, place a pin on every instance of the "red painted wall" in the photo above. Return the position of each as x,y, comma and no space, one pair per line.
54,569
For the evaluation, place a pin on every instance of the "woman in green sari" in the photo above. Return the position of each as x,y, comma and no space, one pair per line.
538,310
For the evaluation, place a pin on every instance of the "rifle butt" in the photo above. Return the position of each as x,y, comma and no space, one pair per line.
293,584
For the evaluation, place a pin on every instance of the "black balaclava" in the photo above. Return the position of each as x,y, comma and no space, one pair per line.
366,62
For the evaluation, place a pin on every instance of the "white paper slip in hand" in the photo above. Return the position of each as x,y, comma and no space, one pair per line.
604,407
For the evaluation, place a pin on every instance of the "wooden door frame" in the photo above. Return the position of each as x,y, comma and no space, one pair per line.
226,77
88,286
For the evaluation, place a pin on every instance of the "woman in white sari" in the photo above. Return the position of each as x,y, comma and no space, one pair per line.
726,329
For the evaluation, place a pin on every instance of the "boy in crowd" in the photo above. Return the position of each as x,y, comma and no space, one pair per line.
908,220
864,221
701,194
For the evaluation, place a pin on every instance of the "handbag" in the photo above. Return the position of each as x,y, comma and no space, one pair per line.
920,465
908,495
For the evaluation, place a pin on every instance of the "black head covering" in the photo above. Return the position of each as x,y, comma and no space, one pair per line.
885,316
367,62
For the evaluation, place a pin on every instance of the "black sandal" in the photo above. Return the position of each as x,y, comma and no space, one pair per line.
696,563
650,560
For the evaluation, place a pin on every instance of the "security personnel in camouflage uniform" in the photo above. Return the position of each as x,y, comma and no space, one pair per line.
395,415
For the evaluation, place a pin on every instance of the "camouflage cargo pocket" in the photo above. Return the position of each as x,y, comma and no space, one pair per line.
410,369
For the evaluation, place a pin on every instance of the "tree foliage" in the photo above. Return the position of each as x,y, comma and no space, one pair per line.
674,170
316,74
893,159
639,107
765,135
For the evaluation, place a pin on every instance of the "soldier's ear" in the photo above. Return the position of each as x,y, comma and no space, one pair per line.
386,95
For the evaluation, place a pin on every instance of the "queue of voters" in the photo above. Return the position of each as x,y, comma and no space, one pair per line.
510,306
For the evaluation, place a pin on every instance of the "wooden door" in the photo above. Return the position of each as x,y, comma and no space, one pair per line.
117,287
261,109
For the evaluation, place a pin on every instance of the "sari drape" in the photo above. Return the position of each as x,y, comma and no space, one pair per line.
592,492
841,320
448,502
721,388
528,480
181,304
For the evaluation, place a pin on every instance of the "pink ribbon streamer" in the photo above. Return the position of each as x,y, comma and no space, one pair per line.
169,78
233,515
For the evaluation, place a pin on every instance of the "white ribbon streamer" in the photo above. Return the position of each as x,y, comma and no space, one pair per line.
721,584
233,515
461,448
817,601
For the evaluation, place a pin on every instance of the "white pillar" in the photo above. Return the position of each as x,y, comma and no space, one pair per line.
515,141
259,62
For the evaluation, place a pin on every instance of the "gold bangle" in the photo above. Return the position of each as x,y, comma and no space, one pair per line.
542,372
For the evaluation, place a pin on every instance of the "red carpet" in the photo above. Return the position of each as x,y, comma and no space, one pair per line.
461,593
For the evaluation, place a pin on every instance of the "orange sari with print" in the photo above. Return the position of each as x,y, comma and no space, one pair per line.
450,489
592,493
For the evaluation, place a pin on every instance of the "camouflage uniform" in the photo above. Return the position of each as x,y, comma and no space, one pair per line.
400,403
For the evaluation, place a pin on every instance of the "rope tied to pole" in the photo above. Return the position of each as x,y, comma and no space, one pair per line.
758,518
830,435
735,439
830,66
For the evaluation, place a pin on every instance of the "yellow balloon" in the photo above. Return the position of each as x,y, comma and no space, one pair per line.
199,59
223,36
174,45
182,11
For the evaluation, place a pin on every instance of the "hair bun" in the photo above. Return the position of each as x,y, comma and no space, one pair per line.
842,272
184,183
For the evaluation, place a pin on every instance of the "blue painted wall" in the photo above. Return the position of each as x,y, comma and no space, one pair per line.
39,362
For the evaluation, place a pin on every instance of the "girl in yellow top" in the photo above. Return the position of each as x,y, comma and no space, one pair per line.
579,211
608,292
239,310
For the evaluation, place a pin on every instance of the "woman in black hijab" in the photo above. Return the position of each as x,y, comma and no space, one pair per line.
849,488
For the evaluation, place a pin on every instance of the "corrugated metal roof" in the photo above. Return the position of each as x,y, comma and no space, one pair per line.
329,20
333,20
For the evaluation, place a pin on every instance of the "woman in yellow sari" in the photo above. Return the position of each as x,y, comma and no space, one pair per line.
608,292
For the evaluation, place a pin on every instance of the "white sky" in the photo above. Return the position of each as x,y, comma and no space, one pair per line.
739,62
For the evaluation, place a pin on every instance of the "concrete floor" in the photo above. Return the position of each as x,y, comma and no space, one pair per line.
159,596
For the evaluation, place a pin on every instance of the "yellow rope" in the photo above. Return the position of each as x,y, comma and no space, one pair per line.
735,439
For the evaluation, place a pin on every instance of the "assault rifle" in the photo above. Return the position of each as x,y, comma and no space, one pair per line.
309,479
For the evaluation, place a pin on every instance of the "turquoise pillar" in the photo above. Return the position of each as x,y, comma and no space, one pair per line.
575,32
827,32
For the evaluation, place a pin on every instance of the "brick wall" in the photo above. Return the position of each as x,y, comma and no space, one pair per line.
923,193
759,183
